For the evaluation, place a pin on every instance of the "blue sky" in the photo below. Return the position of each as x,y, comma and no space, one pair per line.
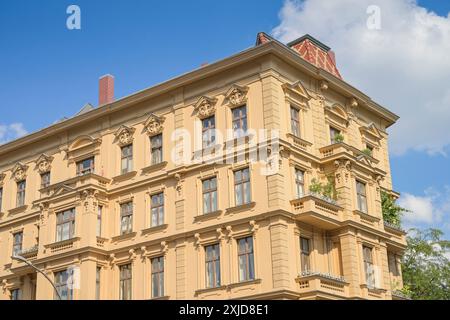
48,72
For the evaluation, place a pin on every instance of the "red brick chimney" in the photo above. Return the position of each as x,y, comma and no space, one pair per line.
106,90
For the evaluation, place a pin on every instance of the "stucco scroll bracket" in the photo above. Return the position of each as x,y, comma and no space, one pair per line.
164,247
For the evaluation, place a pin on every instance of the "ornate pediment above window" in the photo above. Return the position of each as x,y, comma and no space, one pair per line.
205,107
19,172
371,134
337,116
237,95
83,146
154,124
44,163
296,93
124,135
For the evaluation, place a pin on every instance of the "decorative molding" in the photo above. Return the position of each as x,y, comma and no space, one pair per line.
2,177
154,124
353,102
124,135
197,240
237,95
205,107
220,234
371,132
297,94
323,85
337,115
44,163
253,226
164,247
19,172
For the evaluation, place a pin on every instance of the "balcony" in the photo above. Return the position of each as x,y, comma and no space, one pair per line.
317,285
396,233
62,246
72,184
29,253
318,211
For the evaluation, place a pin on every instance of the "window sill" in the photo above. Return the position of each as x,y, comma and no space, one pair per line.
243,283
373,289
161,298
154,167
124,237
206,290
124,176
18,209
154,229
207,216
242,207
366,216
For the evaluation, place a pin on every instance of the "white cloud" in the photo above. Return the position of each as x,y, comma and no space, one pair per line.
421,209
11,132
430,210
404,65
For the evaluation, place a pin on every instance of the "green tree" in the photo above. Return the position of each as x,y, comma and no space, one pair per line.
425,266
392,212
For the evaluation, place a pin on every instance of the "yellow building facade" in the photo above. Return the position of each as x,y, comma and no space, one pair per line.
114,204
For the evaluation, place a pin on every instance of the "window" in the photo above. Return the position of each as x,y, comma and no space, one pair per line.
239,121
126,218
97,283
99,221
126,159
157,277
295,121
16,294
157,209
17,243
1,198
368,266
333,133
393,267
305,252
212,261
125,282
361,196
208,132
156,149
85,167
45,180
299,183
63,284
209,195
21,186
65,225
246,259
242,187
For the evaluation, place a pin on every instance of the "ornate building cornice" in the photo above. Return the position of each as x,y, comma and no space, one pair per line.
124,135
237,95
154,124
205,107
19,172
44,163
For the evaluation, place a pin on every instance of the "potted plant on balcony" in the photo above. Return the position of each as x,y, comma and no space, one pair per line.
392,212
338,138
367,152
